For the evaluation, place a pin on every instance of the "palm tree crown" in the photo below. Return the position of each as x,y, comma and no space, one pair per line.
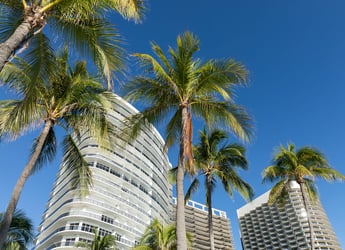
179,87
20,233
303,166
64,96
79,23
216,159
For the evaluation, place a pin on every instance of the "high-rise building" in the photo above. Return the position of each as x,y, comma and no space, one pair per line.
130,188
196,216
274,227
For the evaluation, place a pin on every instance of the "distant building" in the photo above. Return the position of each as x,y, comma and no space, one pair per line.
197,225
130,188
271,227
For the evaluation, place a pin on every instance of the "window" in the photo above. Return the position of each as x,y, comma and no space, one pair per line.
70,242
103,167
118,237
74,226
103,232
87,228
113,172
107,219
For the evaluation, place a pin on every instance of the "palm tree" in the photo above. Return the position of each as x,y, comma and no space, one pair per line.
105,242
20,233
67,97
216,159
302,166
159,237
80,23
178,87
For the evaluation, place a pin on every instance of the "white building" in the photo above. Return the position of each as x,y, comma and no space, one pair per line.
272,227
130,188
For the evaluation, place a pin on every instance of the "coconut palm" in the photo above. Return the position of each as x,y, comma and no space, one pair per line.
20,233
179,86
216,159
105,242
303,166
159,237
79,23
67,97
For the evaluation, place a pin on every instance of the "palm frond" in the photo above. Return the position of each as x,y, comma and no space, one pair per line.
172,175
48,152
10,17
310,157
233,155
225,115
95,38
311,190
191,190
150,65
129,9
137,122
17,117
20,232
273,173
327,173
279,193
149,91
75,163
173,129
161,56
221,76
231,180
40,59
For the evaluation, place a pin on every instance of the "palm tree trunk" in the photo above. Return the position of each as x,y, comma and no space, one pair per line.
209,204
181,239
311,230
21,181
14,42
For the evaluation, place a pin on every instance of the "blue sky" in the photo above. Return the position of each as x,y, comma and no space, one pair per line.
295,53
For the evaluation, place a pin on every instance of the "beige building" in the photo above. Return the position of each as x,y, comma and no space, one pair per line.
271,227
197,225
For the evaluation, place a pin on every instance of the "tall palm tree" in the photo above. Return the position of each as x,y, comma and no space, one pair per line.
179,86
303,166
216,159
80,23
67,97
159,237
20,233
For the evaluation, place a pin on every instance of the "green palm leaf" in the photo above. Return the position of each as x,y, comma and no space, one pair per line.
48,152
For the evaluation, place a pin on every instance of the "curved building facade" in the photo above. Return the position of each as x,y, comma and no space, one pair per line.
130,188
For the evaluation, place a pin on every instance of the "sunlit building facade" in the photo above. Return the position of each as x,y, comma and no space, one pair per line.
272,227
196,216
130,188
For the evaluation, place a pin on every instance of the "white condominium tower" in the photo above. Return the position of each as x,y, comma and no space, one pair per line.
130,188
273,227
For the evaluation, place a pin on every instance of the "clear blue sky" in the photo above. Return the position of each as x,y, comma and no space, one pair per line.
295,53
